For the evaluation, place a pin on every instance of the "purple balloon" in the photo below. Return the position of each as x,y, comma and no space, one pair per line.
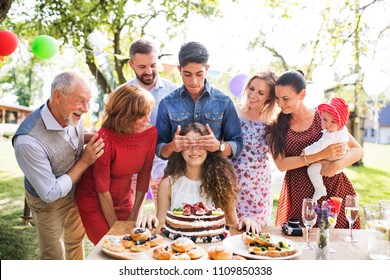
237,84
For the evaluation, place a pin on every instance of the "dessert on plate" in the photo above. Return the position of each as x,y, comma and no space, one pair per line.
198,221
180,249
261,244
138,240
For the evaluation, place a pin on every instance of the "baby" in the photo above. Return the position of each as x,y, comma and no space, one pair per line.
334,118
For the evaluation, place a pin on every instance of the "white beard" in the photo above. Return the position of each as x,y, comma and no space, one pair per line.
70,121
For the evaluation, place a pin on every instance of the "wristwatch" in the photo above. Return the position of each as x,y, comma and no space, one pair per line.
221,146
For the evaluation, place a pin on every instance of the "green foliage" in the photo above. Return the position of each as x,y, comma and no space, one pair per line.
18,242
19,81
121,21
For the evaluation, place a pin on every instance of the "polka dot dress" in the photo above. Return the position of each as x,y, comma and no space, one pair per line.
297,186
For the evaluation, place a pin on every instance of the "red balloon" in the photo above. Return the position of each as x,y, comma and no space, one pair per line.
8,42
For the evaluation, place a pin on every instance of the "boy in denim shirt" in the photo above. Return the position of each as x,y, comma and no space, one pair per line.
197,101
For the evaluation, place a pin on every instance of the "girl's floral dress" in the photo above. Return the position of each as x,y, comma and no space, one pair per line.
253,171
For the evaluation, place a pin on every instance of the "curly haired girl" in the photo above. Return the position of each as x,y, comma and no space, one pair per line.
196,175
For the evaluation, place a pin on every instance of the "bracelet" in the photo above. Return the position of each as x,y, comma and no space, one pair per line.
303,156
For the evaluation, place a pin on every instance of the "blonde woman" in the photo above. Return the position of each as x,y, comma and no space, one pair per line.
104,192
252,166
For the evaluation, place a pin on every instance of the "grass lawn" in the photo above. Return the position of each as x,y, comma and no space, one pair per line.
372,180
17,241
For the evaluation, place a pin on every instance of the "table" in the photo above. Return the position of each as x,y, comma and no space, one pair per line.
344,250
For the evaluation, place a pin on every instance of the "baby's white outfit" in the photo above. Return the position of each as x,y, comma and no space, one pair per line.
314,170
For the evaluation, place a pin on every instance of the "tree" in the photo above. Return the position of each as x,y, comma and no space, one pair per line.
121,21
5,5
341,35
118,21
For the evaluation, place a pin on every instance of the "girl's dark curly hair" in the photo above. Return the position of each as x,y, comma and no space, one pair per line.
219,181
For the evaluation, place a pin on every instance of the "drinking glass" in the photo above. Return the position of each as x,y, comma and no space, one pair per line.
351,213
384,203
384,206
309,218
377,229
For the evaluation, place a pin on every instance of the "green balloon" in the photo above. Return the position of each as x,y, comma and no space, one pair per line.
44,46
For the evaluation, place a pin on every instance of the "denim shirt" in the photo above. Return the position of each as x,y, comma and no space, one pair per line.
213,107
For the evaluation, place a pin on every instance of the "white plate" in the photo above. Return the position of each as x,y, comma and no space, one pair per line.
129,255
238,246
145,255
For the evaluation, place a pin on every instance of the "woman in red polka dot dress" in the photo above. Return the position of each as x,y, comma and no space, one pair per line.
296,127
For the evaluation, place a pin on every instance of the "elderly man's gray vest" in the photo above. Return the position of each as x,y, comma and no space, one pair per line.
60,153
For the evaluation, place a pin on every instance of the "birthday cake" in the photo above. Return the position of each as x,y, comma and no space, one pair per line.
198,221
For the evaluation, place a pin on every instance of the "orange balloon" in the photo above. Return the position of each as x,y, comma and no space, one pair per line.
2,58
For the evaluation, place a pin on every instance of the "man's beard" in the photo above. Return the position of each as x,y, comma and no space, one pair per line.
70,121
146,82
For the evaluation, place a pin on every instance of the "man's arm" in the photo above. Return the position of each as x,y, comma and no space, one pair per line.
164,128
35,165
33,161
231,129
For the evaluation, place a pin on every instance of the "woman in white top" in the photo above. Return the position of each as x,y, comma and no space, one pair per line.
195,175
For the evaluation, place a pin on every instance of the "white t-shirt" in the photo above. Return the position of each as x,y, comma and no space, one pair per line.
185,190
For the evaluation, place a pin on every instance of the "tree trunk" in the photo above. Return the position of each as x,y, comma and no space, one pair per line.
100,79
119,62
357,122
5,5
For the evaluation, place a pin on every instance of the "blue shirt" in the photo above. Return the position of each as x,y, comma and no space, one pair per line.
213,107
161,89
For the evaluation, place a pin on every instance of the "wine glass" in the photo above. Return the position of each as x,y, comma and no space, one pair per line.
333,214
309,218
384,207
351,213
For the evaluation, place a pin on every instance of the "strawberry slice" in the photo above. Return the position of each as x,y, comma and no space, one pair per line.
187,211
200,212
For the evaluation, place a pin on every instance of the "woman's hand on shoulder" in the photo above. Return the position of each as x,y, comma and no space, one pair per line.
150,221
249,225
